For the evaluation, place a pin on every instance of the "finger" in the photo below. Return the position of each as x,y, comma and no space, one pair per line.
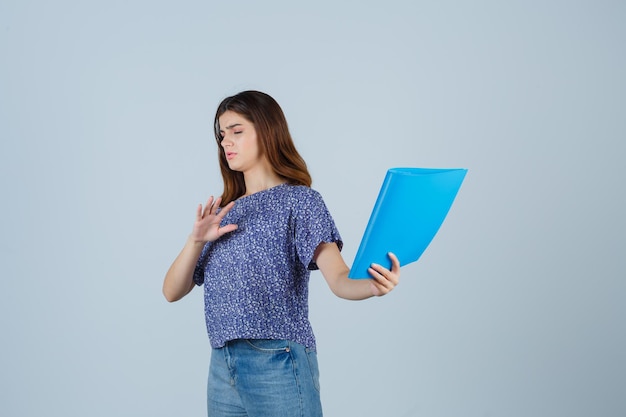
199,212
216,205
386,277
393,275
207,207
226,209
395,262
379,274
227,229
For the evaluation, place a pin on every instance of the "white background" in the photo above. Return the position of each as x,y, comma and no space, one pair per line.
517,307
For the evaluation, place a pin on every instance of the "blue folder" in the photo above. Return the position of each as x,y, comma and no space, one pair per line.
410,208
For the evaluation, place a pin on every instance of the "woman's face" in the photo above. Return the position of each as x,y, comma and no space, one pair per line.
239,142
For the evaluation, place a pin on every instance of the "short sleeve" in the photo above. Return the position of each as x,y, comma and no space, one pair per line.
313,225
198,273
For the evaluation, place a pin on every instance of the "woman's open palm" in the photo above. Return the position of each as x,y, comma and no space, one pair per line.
207,228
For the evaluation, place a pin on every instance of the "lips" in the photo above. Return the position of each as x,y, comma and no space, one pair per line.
230,155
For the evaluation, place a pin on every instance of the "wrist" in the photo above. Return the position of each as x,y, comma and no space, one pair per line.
191,240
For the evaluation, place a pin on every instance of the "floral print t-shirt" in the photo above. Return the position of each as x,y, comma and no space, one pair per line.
256,279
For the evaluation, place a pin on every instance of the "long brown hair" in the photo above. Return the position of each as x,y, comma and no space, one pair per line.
275,142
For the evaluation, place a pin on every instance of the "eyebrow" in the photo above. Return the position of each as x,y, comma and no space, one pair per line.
231,126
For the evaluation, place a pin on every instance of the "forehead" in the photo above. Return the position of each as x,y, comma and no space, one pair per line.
230,119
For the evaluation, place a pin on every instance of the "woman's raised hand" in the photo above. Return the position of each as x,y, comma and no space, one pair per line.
207,228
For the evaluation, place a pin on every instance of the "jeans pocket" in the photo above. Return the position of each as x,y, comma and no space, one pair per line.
268,345
314,367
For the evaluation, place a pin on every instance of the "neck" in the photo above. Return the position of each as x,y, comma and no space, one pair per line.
259,181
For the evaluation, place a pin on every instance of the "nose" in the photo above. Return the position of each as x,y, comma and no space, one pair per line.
226,141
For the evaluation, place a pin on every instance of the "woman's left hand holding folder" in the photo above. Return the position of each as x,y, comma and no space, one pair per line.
383,279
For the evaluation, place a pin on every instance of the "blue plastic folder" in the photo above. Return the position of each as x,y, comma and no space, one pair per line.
410,208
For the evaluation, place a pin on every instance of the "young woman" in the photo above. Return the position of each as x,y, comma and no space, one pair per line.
253,249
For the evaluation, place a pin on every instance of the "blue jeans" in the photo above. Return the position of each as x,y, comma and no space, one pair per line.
263,378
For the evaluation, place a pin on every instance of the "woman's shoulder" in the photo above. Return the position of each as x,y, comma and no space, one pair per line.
302,199
301,192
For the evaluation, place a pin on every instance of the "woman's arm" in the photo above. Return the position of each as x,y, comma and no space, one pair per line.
179,278
335,271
